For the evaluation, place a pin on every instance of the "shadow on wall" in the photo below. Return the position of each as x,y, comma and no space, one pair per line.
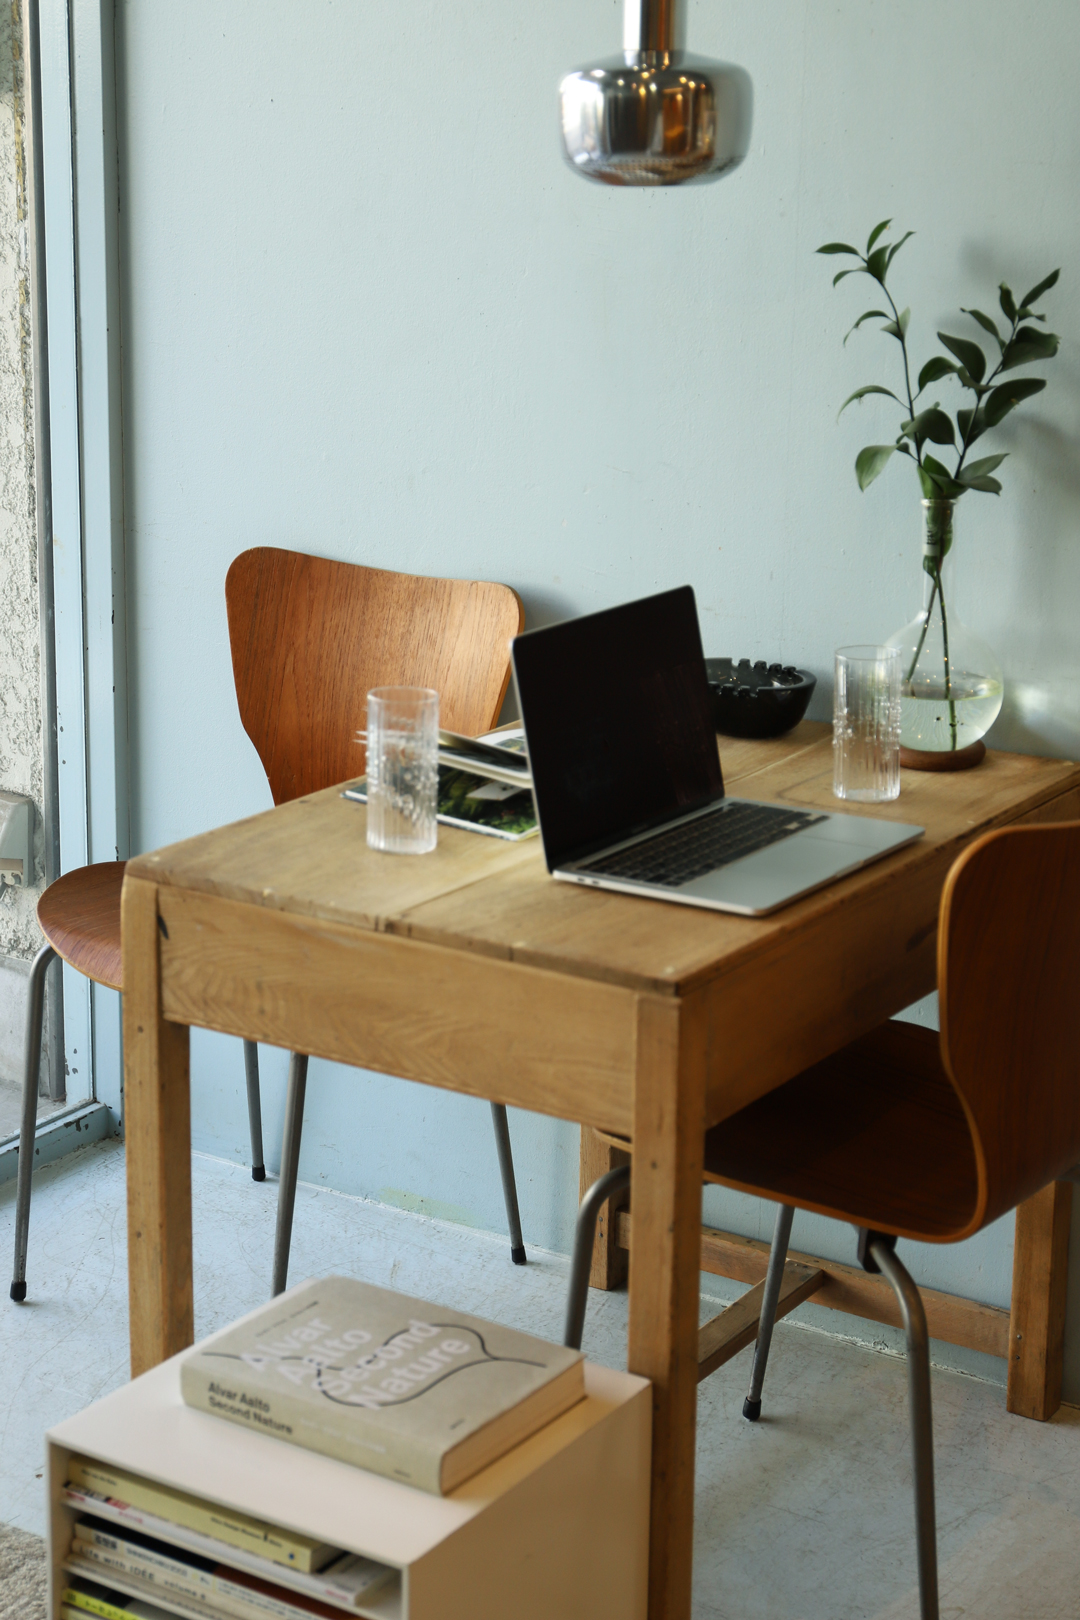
541,608
1041,711
547,607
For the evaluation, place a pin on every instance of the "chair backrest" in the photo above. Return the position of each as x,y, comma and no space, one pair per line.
1008,961
311,637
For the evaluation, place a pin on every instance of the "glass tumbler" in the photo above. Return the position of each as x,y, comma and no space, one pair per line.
866,724
402,769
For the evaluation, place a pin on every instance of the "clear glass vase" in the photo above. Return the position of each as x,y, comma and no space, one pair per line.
950,680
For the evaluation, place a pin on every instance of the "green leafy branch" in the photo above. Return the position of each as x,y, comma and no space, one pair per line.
1021,344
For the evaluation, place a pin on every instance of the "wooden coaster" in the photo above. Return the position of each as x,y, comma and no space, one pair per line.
922,759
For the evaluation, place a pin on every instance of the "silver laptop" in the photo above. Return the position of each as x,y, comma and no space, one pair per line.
627,780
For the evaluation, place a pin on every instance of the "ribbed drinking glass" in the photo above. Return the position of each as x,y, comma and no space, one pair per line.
866,724
402,769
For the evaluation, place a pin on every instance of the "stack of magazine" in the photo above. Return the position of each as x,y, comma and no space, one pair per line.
484,784
140,1549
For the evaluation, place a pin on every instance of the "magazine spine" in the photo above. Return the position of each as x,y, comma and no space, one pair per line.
311,1585
193,1584
86,1603
235,1530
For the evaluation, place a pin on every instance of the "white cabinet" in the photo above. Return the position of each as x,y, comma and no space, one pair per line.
558,1529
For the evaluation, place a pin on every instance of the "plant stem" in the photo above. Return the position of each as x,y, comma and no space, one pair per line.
948,672
907,368
926,625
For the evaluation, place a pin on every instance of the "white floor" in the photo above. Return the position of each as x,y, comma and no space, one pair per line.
805,1516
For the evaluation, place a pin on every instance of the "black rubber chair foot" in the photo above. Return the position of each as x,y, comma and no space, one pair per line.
258,1172
518,1255
751,1410
18,1292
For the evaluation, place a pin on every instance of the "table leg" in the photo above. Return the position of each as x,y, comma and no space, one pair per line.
1037,1324
609,1261
157,1131
669,1093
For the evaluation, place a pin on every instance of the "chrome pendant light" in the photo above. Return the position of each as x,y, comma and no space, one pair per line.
655,116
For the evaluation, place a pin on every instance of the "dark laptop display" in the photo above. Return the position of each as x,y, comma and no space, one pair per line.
617,713
626,773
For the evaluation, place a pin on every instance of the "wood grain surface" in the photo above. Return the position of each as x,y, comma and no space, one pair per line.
513,1035
950,1317
1039,1296
311,637
157,1130
1009,945
669,1093
487,896
736,1327
875,1135
79,915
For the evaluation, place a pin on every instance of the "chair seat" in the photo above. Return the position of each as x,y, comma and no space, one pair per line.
875,1135
79,915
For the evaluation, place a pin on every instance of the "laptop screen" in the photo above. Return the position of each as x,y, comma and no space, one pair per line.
618,722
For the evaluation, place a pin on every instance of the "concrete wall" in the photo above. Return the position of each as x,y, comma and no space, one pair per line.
368,312
20,680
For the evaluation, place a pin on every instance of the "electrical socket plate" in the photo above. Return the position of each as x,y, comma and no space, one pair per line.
16,839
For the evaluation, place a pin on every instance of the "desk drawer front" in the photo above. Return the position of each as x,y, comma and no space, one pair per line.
518,1035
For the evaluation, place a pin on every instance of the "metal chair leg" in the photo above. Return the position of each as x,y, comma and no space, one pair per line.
774,1276
290,1164
615,1181
254,1102
506,1170
35,1018
922,1428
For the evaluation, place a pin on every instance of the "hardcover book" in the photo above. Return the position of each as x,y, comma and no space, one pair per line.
404,1388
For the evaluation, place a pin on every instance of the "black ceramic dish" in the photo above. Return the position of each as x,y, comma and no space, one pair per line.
757,700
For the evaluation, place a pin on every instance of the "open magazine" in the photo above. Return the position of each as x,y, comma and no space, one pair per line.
486,798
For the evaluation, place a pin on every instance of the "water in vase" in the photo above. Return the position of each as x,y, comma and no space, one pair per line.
926,718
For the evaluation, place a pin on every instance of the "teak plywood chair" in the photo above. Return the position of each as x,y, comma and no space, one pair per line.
910,1135
310,638
79,916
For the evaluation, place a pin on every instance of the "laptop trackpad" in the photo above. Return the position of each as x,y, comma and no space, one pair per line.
772,876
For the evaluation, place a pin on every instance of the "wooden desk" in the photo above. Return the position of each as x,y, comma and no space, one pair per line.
471,969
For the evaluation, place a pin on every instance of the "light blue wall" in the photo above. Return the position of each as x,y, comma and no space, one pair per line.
368,312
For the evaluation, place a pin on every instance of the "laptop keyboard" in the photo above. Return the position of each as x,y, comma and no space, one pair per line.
689,851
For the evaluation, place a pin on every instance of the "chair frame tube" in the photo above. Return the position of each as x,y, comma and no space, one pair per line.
615,1181
506,1170
290,1166
922,1426
774,1276
35,1019
254,1102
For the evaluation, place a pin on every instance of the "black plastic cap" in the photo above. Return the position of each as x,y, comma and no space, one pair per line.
258,1172
18,1292
867,1235
518,1255
751,1410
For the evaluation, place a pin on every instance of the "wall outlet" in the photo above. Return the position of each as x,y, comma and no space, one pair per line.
16,839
